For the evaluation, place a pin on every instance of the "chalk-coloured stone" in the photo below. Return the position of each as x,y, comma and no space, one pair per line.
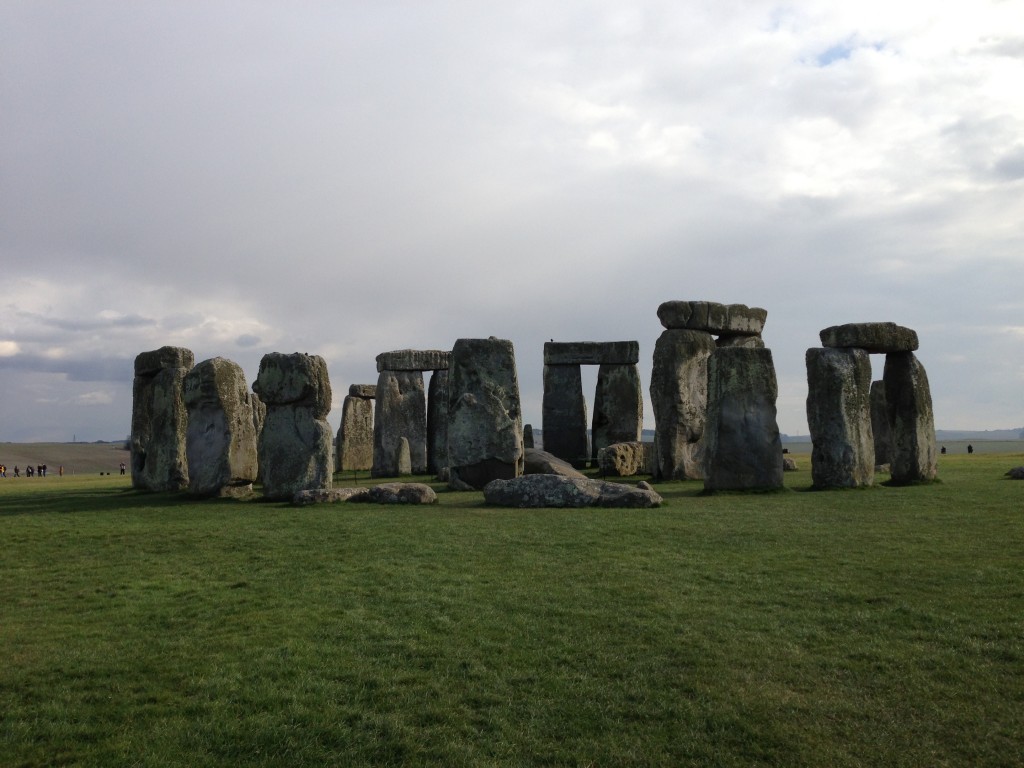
679,389
742,445
401,412
295,444
626,459
413,360
564,414
365,391
591,352
220,440
710,316
880,423
437,422
485,422
911,419
538,491
618,407
160,420
839,417
355,434
872,337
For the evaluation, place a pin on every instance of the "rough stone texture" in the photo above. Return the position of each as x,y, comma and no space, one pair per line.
591,352
911,420
710,316
355,435
534,491
437,422
749,342
366,391
626,459
295,443
329,495
1017,473
618,407
220,441
528,436
839,418
259,416
401,412
538,462
679,389
413,360
401,493
564,414
880,423
404,458
871,337
742,445
788,464
160,420
485,422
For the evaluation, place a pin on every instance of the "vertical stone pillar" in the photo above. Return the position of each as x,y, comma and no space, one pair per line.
437,422
880,423
295,444
911,420
485,421
618,407
221,434
839,417
679,390
355,434
401,412
160,420
742,445
564,414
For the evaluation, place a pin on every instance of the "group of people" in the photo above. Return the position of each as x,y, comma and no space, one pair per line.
39,470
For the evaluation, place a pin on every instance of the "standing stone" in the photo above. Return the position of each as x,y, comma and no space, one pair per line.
485,422
880,423
295,444
259,415
742,445
679,390
221,434
160,420
911,420
401,412
437,422
618,407
839,417
355,434
564,414
528,436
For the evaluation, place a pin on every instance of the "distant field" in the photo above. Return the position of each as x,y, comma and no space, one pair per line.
77,458
953,447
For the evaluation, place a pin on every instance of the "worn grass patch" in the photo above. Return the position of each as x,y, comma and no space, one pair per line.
873,627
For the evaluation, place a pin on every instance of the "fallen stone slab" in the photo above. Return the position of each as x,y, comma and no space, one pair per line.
1017,473
327,495
538,462
871,337
710,316
591,352
401,493
413,360
537,491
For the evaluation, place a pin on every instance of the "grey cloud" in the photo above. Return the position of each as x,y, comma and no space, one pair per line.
119,369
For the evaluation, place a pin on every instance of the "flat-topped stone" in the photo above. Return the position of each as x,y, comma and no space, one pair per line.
365,391
149,363
413,360
725,319
591,352
871,337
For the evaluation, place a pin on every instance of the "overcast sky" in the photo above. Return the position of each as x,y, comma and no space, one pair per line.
348,178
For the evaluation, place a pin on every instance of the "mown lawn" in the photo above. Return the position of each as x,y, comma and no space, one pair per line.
874,627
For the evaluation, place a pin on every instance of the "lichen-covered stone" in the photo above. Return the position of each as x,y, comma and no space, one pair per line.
712,317
221,433
591,352
538,462
618,407
626,459
880,423
908,397
355,434
365,391
401,493
871,337
159,459
538,491
564,414
401,412
485,422
742,445
839,417
413,360
437,422
294,379
329,496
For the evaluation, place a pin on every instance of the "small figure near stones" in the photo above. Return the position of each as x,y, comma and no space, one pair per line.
122,467
970,448
943,450
17,472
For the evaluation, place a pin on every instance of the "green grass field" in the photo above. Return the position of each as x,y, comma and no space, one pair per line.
882,626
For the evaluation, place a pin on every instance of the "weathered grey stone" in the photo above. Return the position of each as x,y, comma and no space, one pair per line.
220,441
564,414
679,388
538,462
401,412
528,436
355,435
401,493
789,464
591,352
329,495
839,418
259,415
880,423
160,420
535,491
437,422
710,316
742,445
872,337
485,422
1017,473
295,443
413,360
365,391
748,342
618,407
404,458
626,459
911,421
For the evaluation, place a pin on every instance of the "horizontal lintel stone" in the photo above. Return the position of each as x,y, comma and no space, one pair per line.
871,337
710,316
413,360
591,352
365,391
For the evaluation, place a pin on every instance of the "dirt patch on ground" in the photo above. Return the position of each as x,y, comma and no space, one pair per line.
77,458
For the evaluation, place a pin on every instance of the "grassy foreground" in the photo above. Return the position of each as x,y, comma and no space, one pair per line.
874,627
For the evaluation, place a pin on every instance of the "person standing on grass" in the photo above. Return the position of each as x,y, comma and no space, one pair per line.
60,470
17,472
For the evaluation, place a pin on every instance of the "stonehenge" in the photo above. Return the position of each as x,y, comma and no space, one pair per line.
160,420
355,434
